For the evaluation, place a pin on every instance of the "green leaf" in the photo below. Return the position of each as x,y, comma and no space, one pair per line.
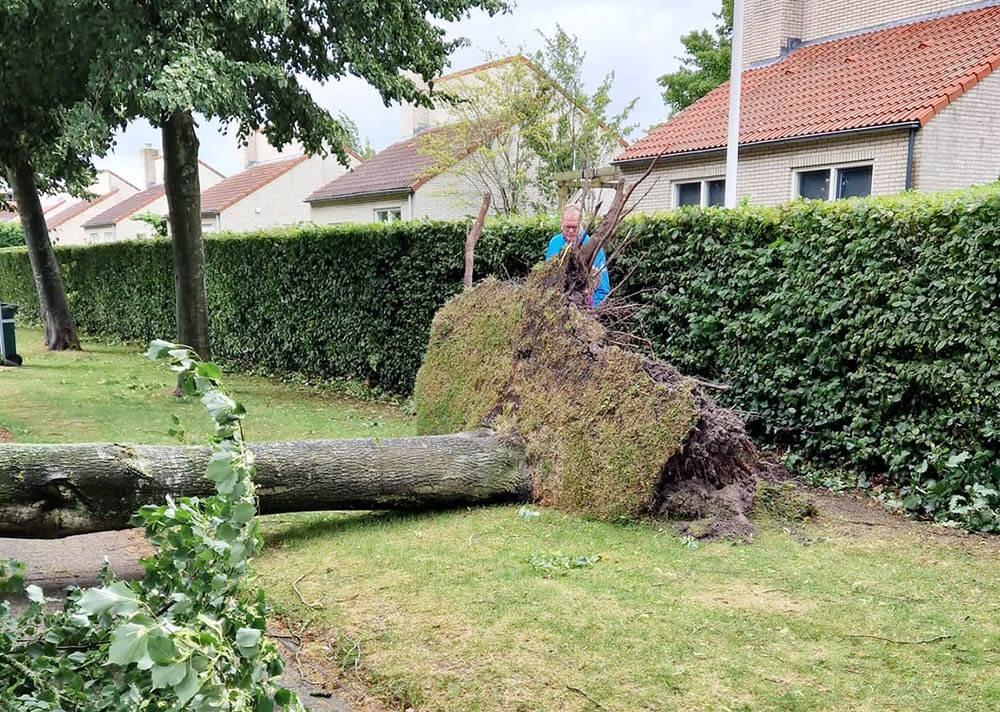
161,648
188,686
117,598
247,637
243,512
208,369
158,349
958,459
168,675
129,644
283,696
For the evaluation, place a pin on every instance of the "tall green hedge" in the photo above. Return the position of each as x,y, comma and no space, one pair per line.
328,301
10,234
861,335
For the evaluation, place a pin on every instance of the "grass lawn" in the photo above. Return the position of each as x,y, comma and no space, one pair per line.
113,393
487,609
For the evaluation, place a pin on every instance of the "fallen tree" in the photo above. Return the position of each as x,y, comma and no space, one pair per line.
547,401
59,490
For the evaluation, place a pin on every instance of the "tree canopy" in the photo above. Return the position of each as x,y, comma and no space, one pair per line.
516,124
705,64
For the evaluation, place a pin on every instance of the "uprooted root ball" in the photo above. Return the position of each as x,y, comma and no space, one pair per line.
608,432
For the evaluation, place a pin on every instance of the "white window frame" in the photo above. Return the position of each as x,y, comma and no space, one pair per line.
388,209
93,238
703,195
833,169
109,236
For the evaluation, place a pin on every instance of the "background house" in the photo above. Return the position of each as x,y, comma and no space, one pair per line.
436,171
117,221
271,190
66,215
912,102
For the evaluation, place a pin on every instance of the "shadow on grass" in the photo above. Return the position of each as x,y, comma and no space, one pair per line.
307,526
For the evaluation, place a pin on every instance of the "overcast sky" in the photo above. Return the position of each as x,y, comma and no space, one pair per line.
636,39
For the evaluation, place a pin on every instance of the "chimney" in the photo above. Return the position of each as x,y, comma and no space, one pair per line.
250,150
412,118
148,157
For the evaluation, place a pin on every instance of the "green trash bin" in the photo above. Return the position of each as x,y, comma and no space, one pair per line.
8,344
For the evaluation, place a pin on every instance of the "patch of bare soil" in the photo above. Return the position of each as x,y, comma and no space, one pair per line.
857,515
6,436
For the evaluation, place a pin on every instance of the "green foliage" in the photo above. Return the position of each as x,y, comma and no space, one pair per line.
186,636
859,335
706,63
525,120
157,222
246,61
325,302
11,234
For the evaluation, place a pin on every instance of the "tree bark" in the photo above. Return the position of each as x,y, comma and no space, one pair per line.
183,189
472,238
60,329
49,491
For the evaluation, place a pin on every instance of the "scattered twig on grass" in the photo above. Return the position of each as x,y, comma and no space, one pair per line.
935,639
295,587
589,699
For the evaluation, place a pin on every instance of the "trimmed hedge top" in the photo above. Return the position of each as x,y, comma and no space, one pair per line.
861,334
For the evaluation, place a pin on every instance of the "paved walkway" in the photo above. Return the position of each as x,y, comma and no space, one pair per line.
77,561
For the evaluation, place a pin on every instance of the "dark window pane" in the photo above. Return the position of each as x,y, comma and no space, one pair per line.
689,194
815,185
854,182
716,192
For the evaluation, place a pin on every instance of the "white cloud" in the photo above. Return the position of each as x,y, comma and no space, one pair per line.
636,39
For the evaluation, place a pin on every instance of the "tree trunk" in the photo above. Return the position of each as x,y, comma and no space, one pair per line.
51,491
60,329
183,189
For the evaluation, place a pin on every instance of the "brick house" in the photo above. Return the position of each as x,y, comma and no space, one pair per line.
66,215
268,193
841,100
117,220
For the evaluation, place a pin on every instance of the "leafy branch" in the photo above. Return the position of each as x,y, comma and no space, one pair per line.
185,637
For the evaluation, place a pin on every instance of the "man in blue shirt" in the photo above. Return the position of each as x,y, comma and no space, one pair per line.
572,216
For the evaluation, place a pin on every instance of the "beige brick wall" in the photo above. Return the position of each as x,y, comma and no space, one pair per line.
960,146
766,173
282,201
767,24
357,211
770,22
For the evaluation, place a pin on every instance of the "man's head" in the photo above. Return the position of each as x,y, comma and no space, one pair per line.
572,216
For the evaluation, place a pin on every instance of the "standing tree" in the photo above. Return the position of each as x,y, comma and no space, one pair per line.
47,133
517,123
705,66
242,62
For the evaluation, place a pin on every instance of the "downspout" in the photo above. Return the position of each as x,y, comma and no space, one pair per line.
909,158
409,202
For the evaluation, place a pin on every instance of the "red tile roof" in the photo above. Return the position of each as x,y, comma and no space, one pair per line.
76,210
236,187
400,168
896,76
126,208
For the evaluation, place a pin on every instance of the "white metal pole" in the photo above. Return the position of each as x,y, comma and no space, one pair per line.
735,84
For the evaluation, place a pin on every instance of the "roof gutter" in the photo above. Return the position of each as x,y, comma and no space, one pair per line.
909,158
911,125
366,194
